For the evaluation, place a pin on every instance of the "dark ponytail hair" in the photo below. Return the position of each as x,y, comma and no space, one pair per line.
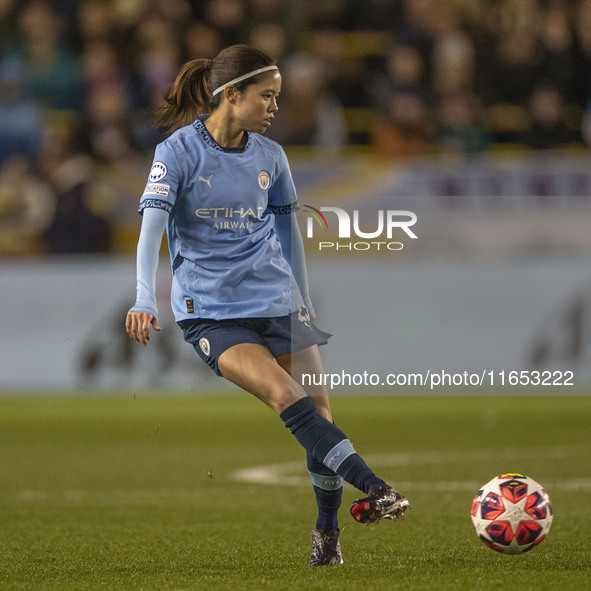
192,92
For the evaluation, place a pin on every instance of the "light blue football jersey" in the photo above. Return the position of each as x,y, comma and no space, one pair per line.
225,256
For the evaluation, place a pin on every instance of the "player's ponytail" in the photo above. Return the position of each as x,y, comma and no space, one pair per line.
187,97
192,93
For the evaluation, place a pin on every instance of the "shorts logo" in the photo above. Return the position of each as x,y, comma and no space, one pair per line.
157,189
204,345
157,172
264,180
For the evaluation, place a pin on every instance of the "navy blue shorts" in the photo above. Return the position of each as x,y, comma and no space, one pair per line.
282,334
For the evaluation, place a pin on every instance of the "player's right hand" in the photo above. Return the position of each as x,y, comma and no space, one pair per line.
137,325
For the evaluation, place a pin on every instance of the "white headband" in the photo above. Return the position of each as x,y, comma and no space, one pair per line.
244,77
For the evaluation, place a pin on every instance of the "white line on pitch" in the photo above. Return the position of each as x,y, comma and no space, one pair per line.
293,473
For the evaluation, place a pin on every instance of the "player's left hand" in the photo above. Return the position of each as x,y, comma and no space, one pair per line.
138,326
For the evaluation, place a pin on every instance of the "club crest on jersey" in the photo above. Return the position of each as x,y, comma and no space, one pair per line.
204,345
264,180
157,172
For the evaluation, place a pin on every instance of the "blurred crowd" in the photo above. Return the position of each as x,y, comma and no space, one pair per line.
80,79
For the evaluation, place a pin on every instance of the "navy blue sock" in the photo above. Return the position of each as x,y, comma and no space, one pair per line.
327,443
328,488
373,479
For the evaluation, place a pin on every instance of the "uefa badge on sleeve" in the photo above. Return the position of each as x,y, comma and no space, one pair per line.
157,172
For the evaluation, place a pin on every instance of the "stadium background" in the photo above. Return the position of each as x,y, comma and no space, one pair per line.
124,468
475,114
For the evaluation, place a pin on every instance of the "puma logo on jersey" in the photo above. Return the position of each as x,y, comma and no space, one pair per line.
206,181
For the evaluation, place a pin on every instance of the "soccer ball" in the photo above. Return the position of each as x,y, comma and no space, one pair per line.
512,513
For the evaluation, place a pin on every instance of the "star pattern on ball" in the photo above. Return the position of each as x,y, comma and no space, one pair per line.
514,513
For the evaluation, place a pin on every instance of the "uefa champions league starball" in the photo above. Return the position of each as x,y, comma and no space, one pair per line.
512,513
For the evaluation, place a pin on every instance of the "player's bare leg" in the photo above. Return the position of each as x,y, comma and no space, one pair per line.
254,369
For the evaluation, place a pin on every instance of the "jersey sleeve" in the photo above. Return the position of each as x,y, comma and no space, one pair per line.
148,250
163,181
282,194
292,247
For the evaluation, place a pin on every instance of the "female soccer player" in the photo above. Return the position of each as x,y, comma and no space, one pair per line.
225,196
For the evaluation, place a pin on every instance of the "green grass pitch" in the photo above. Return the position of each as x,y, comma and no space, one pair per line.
140,492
